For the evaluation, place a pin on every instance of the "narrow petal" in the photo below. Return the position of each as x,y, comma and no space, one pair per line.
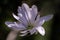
20,15
34,8
9,24
41,30
23,34
24,31
16,17
40,22
19,9
47,18
34,11
37,19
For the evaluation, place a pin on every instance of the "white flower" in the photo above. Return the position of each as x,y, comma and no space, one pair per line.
28,20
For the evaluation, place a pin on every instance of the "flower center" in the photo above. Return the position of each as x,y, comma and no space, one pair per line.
30,26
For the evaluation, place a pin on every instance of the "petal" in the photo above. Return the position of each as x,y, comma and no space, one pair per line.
19,26
37,19
26,9
40,22
25,31
41,30
20,18
20,15
34,11
23,19
19,9
32,31
15,26
16,17
23,34
47,18
21,12
9,24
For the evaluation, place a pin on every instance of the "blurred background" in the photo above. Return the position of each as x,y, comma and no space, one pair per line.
45,7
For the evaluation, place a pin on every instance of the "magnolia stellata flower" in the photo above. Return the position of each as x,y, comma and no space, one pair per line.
28,20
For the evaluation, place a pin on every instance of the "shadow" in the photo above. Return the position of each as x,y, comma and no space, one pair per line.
56,24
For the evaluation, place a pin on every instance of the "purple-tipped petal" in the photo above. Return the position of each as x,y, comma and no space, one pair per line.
47,18
40,21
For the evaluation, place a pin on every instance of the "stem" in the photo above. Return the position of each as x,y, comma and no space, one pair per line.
12,35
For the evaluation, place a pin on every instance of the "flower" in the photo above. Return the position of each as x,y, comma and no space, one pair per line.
28,20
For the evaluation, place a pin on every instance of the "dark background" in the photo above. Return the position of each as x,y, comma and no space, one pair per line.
45,7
